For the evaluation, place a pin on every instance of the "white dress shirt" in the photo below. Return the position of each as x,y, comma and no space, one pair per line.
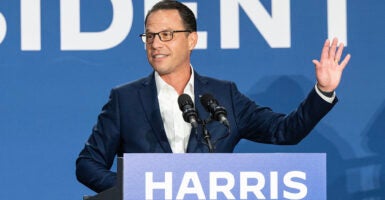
177,130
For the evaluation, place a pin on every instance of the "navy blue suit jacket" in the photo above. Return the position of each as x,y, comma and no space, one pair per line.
131,123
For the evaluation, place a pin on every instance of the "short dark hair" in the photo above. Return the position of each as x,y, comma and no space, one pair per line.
185,13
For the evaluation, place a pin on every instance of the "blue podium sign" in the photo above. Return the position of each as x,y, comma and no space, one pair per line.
224,176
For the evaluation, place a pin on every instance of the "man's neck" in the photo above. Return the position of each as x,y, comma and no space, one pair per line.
178,80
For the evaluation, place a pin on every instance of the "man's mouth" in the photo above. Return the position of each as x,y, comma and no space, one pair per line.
159,56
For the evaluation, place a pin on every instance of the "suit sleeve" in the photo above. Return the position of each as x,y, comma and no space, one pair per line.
261,124
95,160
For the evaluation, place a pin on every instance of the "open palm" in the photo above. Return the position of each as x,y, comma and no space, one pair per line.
329,68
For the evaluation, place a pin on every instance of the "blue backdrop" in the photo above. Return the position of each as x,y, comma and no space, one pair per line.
59,59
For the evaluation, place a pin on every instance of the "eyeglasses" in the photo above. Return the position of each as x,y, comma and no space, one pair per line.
164,36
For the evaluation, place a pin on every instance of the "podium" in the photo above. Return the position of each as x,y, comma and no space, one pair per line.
219,176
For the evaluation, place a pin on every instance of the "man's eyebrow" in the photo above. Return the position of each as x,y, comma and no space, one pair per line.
166,29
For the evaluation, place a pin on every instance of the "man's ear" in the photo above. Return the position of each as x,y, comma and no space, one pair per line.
192,39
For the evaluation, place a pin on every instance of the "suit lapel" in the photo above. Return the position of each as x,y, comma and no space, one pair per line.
195,145
200,88
148,95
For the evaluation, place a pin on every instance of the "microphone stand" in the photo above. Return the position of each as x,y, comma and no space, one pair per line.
207,137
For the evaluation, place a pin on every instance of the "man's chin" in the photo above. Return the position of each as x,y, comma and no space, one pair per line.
161,71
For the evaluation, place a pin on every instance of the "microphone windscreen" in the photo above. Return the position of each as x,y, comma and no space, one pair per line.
183,100
206,100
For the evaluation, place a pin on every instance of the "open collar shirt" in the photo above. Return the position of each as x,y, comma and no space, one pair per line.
177,130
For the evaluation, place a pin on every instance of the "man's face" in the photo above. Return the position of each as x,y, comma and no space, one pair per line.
170,56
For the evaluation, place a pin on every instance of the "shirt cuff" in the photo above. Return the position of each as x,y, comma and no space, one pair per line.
324,97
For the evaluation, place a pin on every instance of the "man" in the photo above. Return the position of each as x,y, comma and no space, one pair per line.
144,117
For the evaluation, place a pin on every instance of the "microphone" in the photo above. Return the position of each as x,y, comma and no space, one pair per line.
212,106
186,105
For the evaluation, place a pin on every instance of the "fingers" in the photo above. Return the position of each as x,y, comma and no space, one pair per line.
345,61
332,53
338,55
316,63
329,50
333,47
325,50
